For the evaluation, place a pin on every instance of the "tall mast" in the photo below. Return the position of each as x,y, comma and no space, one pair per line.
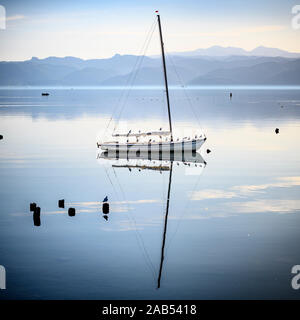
165,74
165,229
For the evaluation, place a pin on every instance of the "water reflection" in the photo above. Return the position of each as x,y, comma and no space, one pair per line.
239,224
153,161
158,161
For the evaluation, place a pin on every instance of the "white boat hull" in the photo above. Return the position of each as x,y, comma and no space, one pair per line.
187,145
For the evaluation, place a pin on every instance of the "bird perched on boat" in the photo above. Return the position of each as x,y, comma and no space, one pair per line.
105,199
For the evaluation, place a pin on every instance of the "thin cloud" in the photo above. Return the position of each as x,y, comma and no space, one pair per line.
244,190
266,205
284,182
212,194
15,17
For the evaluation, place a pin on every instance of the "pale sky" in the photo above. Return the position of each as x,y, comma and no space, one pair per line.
99,29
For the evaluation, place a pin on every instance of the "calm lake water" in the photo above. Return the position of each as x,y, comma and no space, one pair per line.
233,226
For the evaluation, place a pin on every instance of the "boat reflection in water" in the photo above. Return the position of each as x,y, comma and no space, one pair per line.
158,161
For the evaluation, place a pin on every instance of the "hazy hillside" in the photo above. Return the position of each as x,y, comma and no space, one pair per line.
266,73
191,70
86,76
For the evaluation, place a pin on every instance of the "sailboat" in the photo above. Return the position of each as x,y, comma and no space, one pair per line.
152,141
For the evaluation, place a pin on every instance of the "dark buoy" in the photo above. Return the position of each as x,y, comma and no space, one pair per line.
276,130
45,94
37,211
208,151
1,136
71,212
36,220
230,95
105,208
61,203
32,206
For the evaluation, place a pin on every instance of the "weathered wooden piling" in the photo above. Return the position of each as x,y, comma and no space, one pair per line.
71,212
37,211
61,203
32,206
36,220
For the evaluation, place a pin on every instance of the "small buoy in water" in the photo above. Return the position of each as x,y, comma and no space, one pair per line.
61,203
71,212
276,130
45,94
281,106
208,151
230,95
1,136
32,206
37,211
105,208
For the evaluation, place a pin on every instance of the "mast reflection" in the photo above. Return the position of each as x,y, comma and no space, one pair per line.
155,161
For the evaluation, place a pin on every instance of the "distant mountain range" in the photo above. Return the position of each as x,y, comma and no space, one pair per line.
212,66
218,51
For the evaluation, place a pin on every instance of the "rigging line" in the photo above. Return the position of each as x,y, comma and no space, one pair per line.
133,78
136,73
139,238
128,78
184,89
131,74
139,235
183,212
139,241
115,191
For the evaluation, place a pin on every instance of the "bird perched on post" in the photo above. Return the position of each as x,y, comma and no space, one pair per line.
105,199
